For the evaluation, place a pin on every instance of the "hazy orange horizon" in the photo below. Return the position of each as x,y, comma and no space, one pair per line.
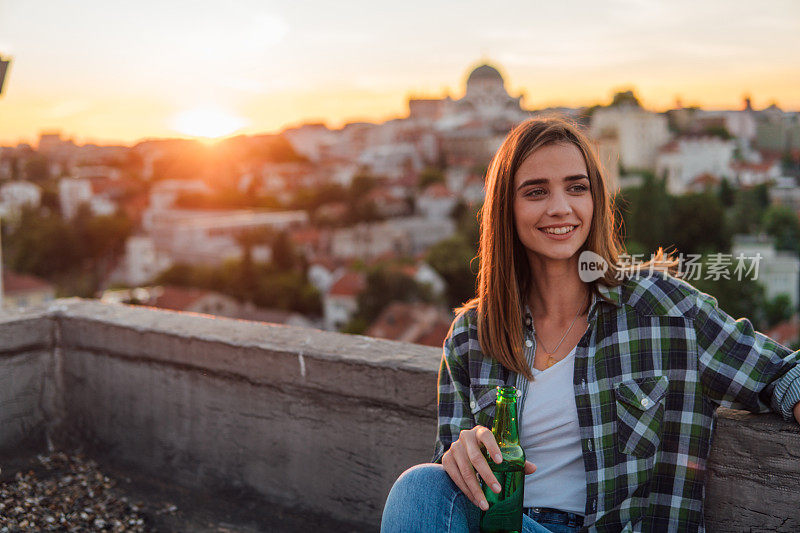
127,73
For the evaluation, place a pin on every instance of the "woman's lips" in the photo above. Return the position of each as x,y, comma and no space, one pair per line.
560,237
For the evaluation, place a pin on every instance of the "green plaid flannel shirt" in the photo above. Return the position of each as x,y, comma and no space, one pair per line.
658,358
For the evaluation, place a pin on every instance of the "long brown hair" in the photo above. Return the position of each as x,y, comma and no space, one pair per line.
504,278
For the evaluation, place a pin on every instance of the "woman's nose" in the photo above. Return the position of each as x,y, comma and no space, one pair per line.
559,205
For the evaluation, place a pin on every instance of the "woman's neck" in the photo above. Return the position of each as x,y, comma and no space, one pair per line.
557,292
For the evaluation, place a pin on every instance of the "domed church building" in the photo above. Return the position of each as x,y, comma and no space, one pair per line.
485,101
486,95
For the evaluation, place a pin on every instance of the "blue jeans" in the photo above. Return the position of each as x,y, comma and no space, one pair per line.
425,499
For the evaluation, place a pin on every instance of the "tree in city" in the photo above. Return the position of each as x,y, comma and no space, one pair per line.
778,309
748,209
269,287
45,245
782,223
697,224
430,176
284,255
37,168
738,298
648,220
726,193
455,260
386,284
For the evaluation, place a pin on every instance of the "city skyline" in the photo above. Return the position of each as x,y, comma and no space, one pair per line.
189,69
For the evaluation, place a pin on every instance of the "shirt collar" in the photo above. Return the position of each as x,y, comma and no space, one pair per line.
610,296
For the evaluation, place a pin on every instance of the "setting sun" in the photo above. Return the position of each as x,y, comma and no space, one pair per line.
207,122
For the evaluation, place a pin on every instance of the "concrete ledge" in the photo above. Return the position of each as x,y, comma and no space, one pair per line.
264,354
26,368
25,332
320,422
306,418
753,474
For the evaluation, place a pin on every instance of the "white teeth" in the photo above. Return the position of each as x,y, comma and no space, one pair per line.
559,231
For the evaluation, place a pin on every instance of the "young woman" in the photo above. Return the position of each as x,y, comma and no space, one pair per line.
619,376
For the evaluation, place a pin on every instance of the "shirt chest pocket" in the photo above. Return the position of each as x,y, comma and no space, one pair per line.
482,398
640,411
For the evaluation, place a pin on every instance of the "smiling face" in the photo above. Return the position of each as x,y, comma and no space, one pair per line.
553,203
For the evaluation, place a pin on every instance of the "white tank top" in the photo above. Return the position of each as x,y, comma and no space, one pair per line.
550,436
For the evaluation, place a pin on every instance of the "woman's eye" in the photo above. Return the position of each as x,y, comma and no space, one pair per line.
535,192
580,188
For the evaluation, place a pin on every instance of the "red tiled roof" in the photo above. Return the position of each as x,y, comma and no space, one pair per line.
16,283
178,298
107,185
438,190
409,270
418,323
305,236
435,335
706,179
787,332
328,262
350,284
475,180
756,167
670,147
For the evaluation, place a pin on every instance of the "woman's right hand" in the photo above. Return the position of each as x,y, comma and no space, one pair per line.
464,458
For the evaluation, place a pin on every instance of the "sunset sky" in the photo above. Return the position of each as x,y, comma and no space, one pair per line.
123,71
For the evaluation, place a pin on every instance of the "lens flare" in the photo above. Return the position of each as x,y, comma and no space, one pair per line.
207,122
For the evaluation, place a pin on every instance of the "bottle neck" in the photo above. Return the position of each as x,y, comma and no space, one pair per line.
504,427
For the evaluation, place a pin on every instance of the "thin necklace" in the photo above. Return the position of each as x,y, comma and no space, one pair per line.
551,360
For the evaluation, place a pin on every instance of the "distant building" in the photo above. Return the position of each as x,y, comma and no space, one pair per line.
786,192
51,144
474,191
24,290
391,160
323,272
426,275
192,300
486,97
96,171
310,140
777,131
436,201
16,195
197,300
340,303
683,160
787,332
640,133
71,194
387,203
425,109
163,194
778,271
417,323
398,236
210,236
750,173
142,261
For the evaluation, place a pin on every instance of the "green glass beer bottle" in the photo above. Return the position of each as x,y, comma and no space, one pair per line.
505,508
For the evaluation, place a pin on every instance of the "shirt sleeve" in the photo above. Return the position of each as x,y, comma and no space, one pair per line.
742,368
453,393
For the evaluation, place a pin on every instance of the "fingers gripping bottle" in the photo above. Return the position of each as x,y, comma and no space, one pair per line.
505,508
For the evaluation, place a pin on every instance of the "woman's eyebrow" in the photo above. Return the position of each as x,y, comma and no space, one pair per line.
540,181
